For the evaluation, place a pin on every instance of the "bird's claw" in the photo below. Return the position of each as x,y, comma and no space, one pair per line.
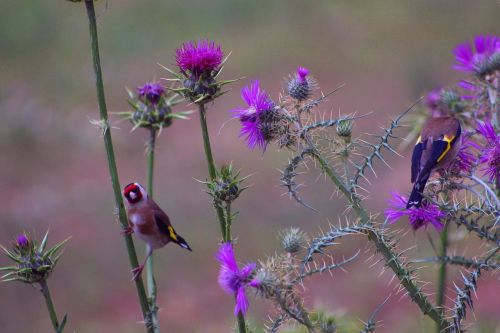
137,272
127,231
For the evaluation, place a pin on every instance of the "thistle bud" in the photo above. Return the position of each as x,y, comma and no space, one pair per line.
452,101
33,263
344,129
22,242
152,107
490,66
300,85
293,240
150,93
265,283
226,187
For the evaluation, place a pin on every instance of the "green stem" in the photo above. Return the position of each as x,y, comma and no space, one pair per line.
242,326
50,306
391,258
225,224
443,246
212,170
108,143
151,284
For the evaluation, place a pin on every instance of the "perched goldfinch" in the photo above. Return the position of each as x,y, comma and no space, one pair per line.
436,147
149,222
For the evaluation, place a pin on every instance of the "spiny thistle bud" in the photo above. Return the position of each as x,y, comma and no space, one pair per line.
22,242
452,101
152,107
264,282
300,85
226,187
151,93
344,129
33,263
490,66
293,240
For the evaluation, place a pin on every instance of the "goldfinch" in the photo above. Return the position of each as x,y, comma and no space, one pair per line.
437,145
149,222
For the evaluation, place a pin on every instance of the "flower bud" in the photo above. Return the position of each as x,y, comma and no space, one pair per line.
265,282
301,85
344,129
33,263
226,186
452,101
22,241
293,240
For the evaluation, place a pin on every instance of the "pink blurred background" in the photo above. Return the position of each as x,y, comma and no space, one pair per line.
53,171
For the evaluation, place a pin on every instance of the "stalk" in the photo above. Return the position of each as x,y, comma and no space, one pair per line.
211,169
242,326
442,270
50,305
392,259
108,143
225,224
151,283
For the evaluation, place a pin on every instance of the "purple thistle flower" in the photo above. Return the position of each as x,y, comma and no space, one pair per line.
418,217
490,155
302,73
259,103
198,58
232,279
469,58
434,101
150,92
465,160
22,241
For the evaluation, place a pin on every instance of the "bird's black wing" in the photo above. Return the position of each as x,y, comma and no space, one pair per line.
416,158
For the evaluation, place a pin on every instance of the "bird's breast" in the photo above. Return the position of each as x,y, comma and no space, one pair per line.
142,224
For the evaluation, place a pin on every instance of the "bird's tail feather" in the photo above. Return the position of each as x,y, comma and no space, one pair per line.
416,195
182,243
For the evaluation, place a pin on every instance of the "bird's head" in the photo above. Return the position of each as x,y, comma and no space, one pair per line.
134,193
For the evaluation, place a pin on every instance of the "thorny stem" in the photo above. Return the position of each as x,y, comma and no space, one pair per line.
108,143
229,219
224,223
50,306
391,259
151,284
487,189
442,272
211,169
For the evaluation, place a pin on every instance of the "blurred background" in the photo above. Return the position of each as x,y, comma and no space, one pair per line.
53,172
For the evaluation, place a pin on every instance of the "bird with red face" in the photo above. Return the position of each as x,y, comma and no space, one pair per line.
149,222
437,146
